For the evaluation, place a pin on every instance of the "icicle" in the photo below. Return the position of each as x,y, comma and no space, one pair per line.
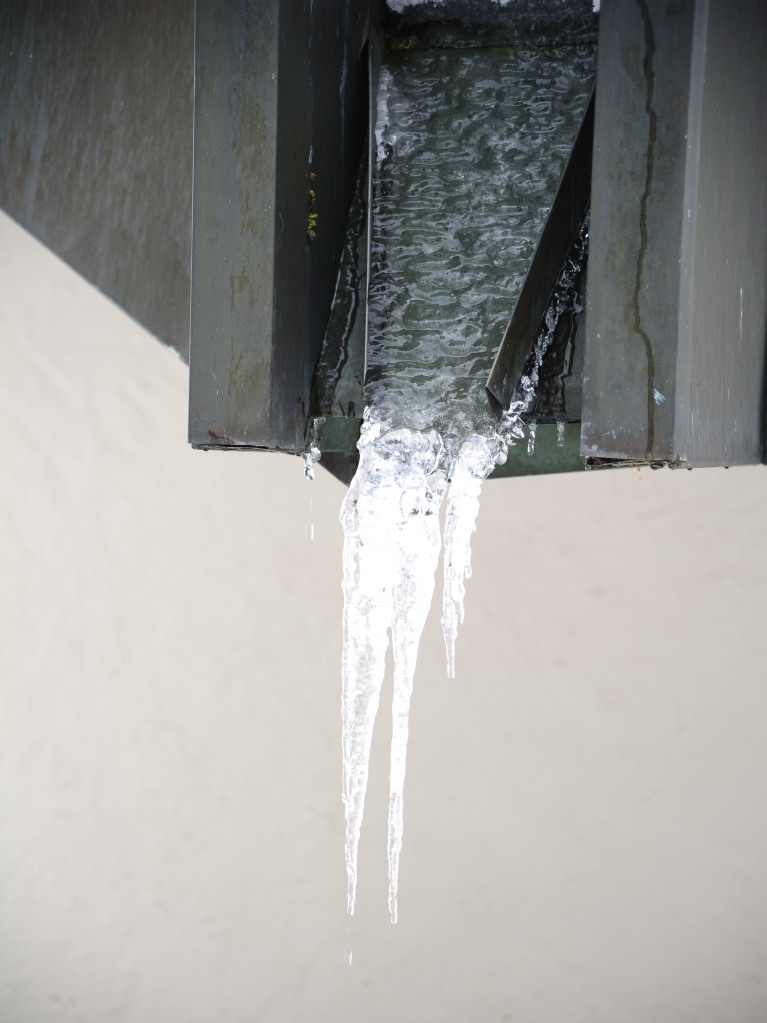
313,453
391,547
532,427
560,433
417,554
390,515
475,462
309,462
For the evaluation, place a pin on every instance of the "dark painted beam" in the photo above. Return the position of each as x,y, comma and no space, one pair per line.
96,145
676,303
280,109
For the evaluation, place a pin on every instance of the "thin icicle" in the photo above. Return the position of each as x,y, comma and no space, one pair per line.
391,547
313,452
476,460
417,554
366,617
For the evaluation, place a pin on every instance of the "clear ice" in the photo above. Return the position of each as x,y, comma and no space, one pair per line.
313,453
477,457
392,544
469,154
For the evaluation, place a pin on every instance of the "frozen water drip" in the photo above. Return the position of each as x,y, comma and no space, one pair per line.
392,543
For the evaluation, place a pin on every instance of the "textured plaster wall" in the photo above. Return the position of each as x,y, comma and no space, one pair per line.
585,832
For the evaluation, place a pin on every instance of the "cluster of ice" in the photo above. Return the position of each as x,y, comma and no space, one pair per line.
469,151
392,545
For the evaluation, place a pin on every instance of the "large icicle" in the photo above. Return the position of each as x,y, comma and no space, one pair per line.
459,196
391,547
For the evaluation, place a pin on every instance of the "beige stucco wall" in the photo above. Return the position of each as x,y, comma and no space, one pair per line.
585,833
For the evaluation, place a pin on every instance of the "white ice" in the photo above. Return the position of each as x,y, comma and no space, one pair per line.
392,544
476,459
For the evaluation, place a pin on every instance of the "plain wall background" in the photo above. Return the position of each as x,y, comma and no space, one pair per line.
585,832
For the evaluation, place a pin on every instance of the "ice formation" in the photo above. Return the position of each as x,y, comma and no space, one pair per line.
391,547
468,157
477,457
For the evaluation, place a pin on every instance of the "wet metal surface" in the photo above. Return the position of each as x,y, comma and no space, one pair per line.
558,237
338,435
471,148
340,374
558,388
